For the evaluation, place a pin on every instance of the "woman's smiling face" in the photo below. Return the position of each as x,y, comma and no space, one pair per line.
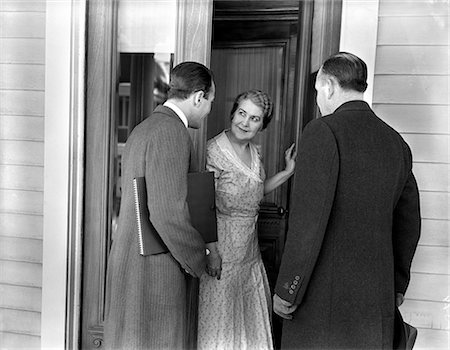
247,120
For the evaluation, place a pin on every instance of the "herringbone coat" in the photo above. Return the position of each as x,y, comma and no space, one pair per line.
146,296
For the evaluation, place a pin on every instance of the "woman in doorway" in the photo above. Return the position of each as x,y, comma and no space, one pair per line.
235,302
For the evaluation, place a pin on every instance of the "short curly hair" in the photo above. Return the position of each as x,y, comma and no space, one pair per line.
260,99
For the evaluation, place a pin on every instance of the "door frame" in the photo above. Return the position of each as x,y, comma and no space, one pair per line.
318,37
319,27
100,82
63,172
101,85
101,73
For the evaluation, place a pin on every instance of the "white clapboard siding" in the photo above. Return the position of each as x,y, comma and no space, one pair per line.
431,339
20,297
22,24
17,127
22,77
425,314
16,201
411,93
20,273
21,249
16,152
22,96
429,147
414,60
411,89
26,341
417,30
432,260
16,102
432,176
22,50
414,118
20,321
21,225
20,177
23,5
437,287
435,233
435,205
405,8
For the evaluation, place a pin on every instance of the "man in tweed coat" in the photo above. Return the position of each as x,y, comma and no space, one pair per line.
146,296
354,223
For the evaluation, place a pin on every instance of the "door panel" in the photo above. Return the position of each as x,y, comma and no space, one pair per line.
264,61
239,67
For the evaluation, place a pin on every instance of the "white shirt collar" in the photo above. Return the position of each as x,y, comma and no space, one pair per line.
178,112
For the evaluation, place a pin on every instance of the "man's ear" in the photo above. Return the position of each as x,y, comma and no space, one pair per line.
330,87
198,97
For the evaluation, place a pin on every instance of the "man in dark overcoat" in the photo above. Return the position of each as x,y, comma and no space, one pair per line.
146,295
354,224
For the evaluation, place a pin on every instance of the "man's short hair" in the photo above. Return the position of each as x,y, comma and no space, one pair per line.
189,77
349,70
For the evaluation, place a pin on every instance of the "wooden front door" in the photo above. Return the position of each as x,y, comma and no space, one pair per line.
268,45
262,66
275,46
254,48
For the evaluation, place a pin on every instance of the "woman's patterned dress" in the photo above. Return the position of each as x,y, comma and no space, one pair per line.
235,311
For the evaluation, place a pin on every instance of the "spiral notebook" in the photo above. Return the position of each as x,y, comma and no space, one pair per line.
201,202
